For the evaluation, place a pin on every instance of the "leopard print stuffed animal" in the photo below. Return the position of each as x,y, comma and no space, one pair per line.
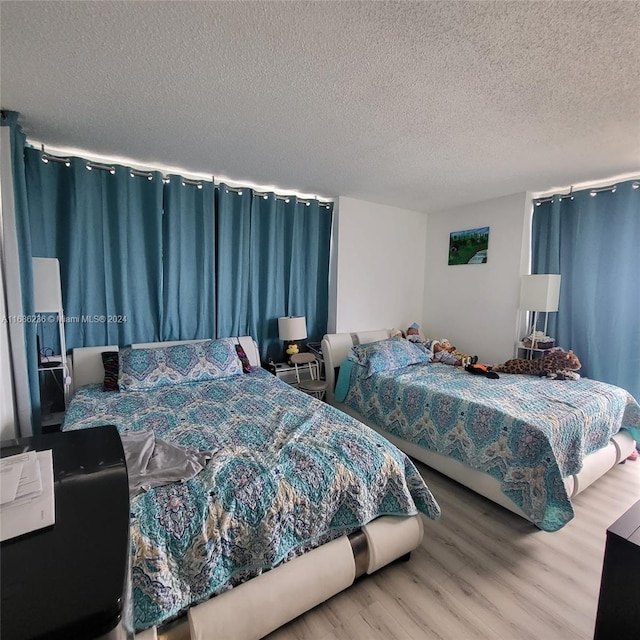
557,364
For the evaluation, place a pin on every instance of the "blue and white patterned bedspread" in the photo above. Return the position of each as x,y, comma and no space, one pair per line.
527,432
288,472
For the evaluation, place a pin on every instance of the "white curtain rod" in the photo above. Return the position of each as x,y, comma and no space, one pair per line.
584,186
48,157
63,156
593,192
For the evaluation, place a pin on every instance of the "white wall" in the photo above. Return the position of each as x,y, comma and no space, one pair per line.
476,306
7,408
378,266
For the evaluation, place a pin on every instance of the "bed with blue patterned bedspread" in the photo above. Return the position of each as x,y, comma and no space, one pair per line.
288,473
527,432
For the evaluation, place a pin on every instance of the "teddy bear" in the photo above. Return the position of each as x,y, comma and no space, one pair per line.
463,359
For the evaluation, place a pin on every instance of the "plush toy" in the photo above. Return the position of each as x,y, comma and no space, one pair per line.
481,370
556,364
414,334
292,349
463,358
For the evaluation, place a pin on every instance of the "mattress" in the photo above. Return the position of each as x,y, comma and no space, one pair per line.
287,474
527,432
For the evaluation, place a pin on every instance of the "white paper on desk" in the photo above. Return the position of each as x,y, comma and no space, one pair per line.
30,480
10,472
34,511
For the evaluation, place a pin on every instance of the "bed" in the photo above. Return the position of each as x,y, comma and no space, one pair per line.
527,443
296,502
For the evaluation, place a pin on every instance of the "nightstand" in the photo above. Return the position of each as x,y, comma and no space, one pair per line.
524,351
287,373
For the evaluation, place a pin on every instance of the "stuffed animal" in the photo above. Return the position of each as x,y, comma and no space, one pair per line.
292,349
557,364
481,370
414,334
463,358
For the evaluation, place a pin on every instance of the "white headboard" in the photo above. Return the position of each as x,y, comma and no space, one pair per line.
87,365
336,347
88,368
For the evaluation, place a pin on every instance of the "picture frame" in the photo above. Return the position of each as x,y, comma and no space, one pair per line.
469,246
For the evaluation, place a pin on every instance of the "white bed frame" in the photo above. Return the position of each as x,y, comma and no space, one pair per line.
335,348
257,607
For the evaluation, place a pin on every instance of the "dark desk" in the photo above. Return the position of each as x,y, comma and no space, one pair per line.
70,580
619,603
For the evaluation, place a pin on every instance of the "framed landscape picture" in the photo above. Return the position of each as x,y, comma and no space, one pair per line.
469,246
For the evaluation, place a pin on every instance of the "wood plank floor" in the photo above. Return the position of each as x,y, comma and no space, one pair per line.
483,572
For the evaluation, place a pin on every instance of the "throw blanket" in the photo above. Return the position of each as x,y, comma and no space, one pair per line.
527,432
153,462
287,473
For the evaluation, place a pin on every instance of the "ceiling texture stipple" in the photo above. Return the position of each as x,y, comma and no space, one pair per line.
420,105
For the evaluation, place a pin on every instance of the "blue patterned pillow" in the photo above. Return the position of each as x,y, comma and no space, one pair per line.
388,355
177,364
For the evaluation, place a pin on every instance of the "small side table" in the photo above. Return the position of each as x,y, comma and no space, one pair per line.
287,373
529,352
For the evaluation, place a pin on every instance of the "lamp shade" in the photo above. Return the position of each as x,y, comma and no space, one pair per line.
540,292
47,292
292,328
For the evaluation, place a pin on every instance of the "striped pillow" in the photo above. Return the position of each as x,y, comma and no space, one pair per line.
246,365
110,361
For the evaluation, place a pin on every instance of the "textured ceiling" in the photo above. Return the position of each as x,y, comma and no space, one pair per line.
421,105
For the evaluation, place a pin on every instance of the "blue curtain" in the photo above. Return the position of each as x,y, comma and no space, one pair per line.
23,236
176,260
234,262
105,228
593,242
309,270
189,292
273,260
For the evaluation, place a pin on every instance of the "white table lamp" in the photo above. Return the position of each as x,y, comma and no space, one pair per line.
291,329
539,293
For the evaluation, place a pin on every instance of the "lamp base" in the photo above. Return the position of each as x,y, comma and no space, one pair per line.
291,347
